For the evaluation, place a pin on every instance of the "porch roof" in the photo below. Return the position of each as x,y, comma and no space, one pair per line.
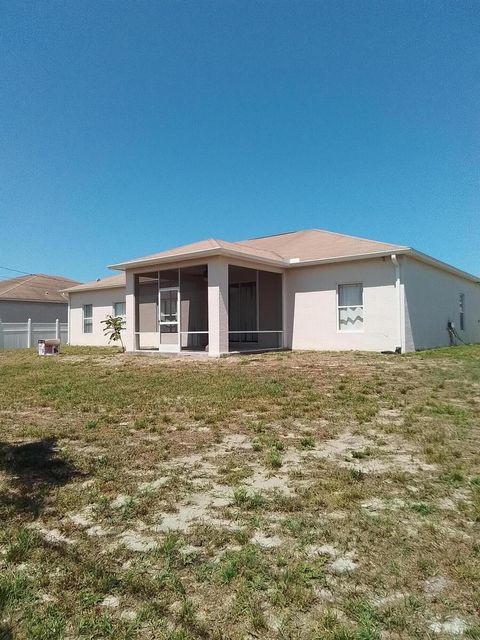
101,283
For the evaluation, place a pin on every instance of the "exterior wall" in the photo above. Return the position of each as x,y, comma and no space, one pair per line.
102,301
311,306
432,300
20,311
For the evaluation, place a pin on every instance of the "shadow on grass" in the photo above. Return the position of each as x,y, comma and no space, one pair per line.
34,469
6,632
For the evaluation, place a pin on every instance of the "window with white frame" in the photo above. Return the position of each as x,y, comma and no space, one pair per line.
461,309
88,318
350,307
119,309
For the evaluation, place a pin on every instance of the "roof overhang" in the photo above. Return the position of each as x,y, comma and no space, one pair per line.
195,255
423,257
292,263
36,300
349,258
100,287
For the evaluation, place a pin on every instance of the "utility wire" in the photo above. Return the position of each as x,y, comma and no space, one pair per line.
25,273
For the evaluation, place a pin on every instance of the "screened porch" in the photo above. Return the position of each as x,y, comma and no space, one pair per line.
172,310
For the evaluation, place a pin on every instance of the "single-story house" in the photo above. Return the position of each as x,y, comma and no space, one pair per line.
36,296
308,289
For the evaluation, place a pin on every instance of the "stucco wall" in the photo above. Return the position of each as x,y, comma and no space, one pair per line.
311,306
432,300
102,301
19,311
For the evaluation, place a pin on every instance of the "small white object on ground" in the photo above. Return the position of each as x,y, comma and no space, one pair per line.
110,601
136,542
266,541
454,626
342,565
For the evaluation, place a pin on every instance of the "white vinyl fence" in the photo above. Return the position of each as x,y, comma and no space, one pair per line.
23,335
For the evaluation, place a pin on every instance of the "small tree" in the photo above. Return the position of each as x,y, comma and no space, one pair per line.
114,325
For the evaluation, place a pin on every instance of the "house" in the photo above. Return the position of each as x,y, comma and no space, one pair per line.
36,296
308,289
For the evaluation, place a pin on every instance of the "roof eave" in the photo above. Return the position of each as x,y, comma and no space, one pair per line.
192,255
350,258
42,300
80,288
423,257
146,262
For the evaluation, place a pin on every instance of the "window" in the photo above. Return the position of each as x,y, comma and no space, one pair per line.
119,309
461,308
87,318
350,307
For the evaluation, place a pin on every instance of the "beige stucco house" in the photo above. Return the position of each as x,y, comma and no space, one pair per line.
304,290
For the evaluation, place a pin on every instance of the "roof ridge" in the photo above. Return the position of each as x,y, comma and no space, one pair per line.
260,248
46,275
274,235
347,235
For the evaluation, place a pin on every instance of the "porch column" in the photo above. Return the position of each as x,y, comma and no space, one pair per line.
217,306
129,333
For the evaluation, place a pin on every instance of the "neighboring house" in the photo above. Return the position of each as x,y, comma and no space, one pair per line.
304,290
35,296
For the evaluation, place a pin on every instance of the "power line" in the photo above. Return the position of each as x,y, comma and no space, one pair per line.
25,273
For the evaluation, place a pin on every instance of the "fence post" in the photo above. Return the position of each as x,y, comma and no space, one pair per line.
29,333
57,329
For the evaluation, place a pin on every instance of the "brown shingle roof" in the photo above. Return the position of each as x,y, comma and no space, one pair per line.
102,283
316,244
35,288
300,246
284,250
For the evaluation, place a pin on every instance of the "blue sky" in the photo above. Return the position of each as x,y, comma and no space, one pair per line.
130,127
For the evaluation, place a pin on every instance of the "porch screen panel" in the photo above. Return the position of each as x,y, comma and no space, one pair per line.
243,311
146,296
270,309
270,301
194,307
168,278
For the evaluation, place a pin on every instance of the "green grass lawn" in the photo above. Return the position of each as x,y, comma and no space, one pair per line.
318,496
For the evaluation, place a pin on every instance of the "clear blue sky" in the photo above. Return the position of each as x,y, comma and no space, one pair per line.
130,127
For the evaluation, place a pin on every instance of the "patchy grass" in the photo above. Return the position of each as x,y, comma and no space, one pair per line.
294,495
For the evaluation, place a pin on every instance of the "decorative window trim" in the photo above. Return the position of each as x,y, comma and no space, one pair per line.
343,307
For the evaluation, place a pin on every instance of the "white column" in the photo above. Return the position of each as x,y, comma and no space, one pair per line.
69,318
217,306
1,335
29,333
57,329
129,332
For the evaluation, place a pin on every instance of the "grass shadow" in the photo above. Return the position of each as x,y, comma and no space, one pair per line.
34,470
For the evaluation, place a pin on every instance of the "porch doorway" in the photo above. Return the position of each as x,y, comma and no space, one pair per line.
168,322
171,310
